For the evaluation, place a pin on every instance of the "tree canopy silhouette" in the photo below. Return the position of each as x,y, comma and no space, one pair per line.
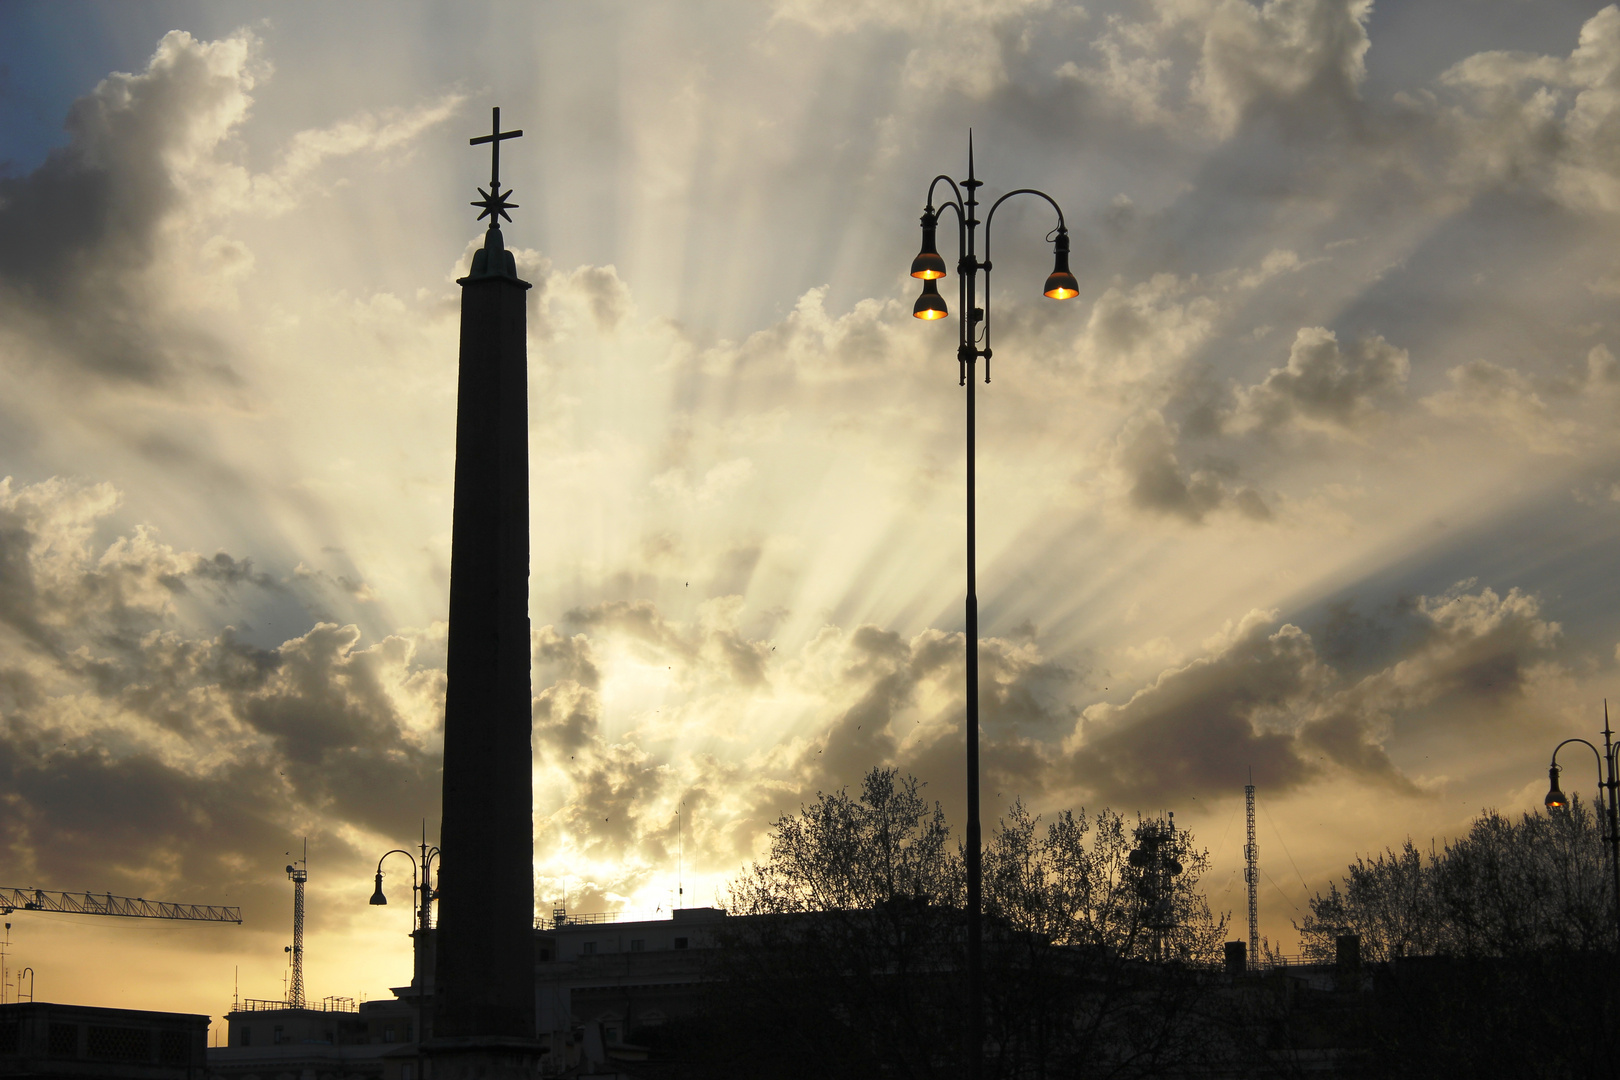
849,958
1507,888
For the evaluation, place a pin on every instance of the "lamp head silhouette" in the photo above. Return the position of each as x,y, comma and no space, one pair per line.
1556,799
377,896
1060,284
930,305
928,265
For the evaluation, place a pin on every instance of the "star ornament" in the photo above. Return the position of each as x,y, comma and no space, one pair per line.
494,204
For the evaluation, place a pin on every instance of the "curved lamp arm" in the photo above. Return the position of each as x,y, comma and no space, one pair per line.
956,193
1063,241
1556,799
377,897
991,216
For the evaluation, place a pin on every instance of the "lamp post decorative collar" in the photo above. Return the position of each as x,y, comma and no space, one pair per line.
973,342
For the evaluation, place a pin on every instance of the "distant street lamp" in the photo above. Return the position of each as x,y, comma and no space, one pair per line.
425,894
973,328
1557,800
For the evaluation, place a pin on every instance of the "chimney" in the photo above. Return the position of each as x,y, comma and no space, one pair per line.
1347,950
1237,957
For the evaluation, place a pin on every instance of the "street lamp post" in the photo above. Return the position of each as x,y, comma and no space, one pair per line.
973,341
424,893
1608,758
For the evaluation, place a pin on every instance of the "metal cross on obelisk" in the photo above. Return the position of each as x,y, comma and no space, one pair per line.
494,202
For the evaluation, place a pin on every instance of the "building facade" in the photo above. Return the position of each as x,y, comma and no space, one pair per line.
50,1041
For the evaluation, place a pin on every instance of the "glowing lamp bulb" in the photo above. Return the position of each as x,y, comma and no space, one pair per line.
930,305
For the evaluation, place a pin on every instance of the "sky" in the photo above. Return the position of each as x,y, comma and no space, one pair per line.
1316,479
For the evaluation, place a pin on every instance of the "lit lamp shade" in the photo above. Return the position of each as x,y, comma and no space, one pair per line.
1556,799
928,265
1060,284
930,305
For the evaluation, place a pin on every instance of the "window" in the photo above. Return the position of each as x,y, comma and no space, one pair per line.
246,1038
405,1071
589,948
410,1034
388,1033
637,944
680,943
276,1036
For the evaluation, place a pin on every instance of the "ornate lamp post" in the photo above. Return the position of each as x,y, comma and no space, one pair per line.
973,341
422,887
1608,758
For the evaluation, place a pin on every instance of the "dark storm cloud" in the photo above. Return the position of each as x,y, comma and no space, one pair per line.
80,236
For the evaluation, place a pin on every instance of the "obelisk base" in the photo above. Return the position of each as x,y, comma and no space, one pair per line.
483,1057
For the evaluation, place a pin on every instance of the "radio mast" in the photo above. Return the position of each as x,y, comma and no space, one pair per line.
1251,875
299,873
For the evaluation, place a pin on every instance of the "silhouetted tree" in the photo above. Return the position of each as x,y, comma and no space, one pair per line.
849,959
1507,888
1494,954
1075,884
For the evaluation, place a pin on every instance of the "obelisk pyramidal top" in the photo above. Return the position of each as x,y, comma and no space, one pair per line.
484,1003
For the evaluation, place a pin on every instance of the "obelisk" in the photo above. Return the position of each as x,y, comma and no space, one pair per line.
483,1006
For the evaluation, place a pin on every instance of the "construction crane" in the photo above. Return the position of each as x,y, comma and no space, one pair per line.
107,904
1251,875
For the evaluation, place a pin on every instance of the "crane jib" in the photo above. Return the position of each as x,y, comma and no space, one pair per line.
107,904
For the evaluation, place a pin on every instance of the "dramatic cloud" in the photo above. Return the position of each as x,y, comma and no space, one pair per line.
1327,385
1549,121
108,250
140,757
83,241
1264,699
1220,61
1345,337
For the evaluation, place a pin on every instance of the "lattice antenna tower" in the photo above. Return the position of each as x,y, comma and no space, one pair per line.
299,873
1251,874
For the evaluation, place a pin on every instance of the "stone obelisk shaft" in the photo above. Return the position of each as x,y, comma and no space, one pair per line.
484,974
